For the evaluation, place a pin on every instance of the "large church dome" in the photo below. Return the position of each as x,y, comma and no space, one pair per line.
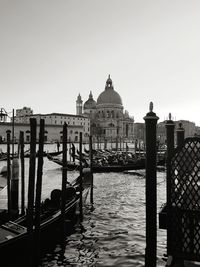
109,95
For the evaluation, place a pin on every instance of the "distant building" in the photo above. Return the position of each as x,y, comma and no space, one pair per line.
189,127
107,116
139,131
53,133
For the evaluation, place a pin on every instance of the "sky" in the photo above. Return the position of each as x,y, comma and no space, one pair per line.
52,50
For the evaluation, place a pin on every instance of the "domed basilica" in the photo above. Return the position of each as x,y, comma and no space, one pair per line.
107,116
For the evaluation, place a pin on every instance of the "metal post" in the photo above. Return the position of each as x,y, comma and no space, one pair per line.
180,134
151,190
170,148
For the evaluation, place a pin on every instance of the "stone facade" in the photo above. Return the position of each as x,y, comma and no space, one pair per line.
53,133
53,125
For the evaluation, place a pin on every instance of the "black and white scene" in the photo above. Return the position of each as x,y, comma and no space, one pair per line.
100,133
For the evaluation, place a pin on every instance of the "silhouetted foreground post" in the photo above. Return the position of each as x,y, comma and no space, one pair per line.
151,190
31,188
38,194
170,148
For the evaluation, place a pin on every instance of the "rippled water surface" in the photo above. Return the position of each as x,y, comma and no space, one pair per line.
114,233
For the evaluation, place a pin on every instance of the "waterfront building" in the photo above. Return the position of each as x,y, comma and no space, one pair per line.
53,133
53,125
108,120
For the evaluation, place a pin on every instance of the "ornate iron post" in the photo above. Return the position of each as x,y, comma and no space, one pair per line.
151,190
180,134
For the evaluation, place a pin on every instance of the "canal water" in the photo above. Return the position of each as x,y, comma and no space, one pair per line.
113,234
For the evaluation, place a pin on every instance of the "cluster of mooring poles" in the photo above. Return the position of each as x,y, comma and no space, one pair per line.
151,184
33,209
183,166
116,143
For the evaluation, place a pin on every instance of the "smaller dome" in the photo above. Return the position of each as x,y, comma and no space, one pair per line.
90,103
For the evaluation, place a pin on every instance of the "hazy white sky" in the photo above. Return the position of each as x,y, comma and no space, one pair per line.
52,50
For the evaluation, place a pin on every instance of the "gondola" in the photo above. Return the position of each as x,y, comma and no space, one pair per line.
3,156
45,153
97,168
14,237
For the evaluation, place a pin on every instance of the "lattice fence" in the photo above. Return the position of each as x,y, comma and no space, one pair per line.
184,202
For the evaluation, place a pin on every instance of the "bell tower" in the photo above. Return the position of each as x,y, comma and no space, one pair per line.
79,105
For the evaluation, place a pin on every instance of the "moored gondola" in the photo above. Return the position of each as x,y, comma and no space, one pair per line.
14,236
98,167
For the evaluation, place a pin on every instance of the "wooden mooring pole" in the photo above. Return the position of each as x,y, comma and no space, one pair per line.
8,173
91,160
64,181
81,179
31,189
151,189
22,173
38,194
14,188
